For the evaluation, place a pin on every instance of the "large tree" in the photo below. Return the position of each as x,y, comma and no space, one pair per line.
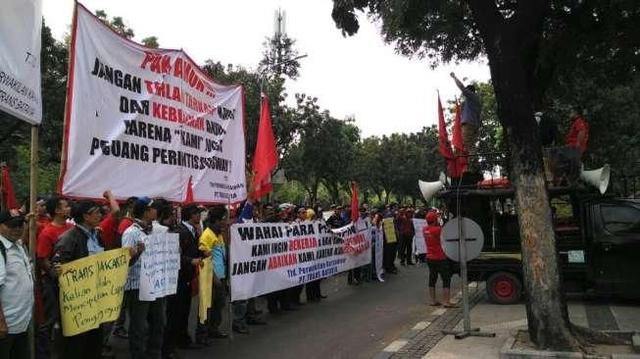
524,40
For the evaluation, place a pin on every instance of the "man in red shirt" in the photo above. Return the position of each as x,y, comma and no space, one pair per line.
109,224
58,210
437,261
578,135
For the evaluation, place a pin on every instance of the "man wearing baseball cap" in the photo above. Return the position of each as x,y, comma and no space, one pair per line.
16,289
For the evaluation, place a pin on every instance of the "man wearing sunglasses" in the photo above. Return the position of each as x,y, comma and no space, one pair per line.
16,289
78,242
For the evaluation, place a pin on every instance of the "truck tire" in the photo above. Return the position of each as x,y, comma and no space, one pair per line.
504,288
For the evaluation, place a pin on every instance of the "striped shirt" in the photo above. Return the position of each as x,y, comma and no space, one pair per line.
132,236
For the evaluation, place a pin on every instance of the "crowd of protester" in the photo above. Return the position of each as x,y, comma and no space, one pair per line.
69,231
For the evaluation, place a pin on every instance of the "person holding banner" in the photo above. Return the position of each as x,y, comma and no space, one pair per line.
212,243
59,210
16,289
142,314
190,258
79,242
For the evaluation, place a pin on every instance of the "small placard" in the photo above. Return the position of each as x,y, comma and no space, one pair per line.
576,256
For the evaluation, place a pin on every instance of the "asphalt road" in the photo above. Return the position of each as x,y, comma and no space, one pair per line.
354,322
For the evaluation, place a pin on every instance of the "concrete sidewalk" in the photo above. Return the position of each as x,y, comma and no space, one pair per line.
505,320
427,341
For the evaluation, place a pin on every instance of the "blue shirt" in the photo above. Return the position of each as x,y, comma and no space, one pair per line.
93,244
219,261
16,286
471,108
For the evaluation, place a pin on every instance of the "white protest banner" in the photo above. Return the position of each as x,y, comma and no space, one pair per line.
20,25
419,245
159,266
148,122
267,257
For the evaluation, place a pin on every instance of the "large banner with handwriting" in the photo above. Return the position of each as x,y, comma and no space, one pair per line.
148,122
266,257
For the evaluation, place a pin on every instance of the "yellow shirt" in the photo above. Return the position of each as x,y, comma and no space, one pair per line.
208,240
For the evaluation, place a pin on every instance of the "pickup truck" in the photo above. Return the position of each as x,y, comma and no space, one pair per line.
598,242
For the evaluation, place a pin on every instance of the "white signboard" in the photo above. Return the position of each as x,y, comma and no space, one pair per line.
159,266
20,25
147,122
266,257
419,244
473,239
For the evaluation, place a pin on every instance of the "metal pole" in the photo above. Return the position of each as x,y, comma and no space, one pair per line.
230,306
33,181
462,244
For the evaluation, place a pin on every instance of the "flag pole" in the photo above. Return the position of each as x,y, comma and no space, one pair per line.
230,306
33,181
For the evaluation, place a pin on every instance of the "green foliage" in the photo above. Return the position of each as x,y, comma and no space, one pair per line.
279,57
151,41
116,23
284,123
323,151
47,174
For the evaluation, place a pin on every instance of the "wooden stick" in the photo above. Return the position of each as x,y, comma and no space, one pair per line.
33,184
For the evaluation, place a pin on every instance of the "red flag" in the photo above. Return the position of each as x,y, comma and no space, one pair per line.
443,137
8,195
355,211
189,198
265,159
457,142
455,165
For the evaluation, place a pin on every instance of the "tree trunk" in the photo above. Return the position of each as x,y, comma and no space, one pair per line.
546,310
512,50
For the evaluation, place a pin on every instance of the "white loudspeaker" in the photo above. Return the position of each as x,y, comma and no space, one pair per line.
428,189
598,178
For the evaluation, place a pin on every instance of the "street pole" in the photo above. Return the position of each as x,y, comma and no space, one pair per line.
33,183
467,331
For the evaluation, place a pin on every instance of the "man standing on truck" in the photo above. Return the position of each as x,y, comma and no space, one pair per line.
437,261
578,135
470,122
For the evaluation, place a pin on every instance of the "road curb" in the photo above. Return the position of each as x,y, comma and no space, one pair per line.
425,334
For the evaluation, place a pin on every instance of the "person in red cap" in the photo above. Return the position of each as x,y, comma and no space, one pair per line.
437,261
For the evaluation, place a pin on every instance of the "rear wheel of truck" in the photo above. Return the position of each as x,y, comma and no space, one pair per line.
504,288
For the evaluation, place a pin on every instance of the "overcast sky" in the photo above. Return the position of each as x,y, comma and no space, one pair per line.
359,76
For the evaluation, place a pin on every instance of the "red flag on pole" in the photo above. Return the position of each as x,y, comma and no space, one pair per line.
8,194
265,159
443,137
355,210
457,142
189,197
455,165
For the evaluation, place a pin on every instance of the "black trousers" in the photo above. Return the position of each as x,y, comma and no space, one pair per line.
87,345
404,252
313,290
178,308
389,256
15,346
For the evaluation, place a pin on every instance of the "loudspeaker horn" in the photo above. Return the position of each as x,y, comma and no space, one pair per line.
598,178
428,189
